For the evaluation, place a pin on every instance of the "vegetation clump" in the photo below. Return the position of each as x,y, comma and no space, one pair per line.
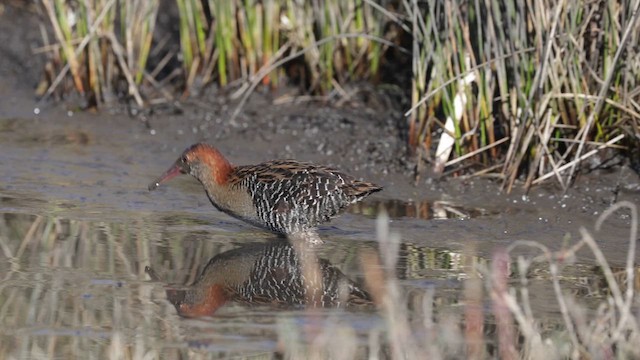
512,90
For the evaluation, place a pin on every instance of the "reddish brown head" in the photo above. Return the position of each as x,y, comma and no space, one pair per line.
202,161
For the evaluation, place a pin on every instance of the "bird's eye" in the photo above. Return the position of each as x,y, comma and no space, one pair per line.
184,159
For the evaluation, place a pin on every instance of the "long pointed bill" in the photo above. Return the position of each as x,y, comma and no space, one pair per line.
173,171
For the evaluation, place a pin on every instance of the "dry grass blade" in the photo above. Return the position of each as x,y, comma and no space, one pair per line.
583,157
624,307
476,152
447,140
118,51
614,325
595,98
502,302
402,342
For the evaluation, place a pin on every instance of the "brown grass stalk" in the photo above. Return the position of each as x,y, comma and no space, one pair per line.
581,158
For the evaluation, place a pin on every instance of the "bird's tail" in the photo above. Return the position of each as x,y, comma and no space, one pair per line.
360,189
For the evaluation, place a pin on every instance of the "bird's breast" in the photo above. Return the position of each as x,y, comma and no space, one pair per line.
235,201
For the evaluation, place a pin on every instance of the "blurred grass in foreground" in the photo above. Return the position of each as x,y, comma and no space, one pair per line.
517,331
511,90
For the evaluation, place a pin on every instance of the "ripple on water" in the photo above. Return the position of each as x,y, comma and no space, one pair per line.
425,209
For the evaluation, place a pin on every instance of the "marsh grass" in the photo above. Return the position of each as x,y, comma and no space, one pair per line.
513,90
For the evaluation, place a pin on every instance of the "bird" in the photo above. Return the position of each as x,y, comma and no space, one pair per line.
287,197
270,273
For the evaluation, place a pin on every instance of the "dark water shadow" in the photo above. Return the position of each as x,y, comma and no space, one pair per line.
425,209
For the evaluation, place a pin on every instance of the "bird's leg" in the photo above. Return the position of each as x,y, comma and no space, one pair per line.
309,237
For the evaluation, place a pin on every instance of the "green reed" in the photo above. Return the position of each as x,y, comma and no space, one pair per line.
249,36
345,58
193,29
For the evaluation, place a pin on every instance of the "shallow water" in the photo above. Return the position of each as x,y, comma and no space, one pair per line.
78,227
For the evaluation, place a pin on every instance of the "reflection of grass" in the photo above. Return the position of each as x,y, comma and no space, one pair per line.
73,287
424,209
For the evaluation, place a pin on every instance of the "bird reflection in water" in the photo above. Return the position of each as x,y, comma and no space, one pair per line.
272,273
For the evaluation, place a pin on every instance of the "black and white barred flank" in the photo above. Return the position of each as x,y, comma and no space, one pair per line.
292,197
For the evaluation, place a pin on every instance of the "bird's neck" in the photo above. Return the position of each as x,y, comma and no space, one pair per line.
214,177
215,167
230,197
222,195
224,169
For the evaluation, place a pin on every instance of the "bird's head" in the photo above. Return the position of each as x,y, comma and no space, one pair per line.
202,161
